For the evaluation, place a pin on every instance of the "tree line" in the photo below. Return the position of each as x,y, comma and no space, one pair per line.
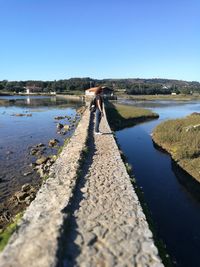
129,86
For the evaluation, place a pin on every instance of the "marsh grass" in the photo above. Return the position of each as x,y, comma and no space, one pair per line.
129,112
122,116
10,229
181,138
179,97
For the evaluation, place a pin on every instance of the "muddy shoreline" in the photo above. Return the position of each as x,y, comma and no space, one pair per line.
42,155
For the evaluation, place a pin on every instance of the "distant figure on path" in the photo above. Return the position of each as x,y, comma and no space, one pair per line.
99,109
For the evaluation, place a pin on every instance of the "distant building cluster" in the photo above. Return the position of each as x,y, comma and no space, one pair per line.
32,89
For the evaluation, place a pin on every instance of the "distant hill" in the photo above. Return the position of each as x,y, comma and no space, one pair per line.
130,86
153,86
154,81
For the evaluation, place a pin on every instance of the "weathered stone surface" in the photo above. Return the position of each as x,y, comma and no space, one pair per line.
107,224
21,196
5,215
35,243
41,160
26,187
26,195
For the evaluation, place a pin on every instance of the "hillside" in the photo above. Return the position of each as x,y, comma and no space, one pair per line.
130,86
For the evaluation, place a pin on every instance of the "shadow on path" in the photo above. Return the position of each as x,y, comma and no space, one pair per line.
68,251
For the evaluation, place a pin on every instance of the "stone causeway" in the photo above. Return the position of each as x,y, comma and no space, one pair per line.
87,213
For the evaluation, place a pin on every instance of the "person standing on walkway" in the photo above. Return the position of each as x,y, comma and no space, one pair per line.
99,109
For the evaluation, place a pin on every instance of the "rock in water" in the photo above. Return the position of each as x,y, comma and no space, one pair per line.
59,118
26,187
59,126
41,160
53,142
66,127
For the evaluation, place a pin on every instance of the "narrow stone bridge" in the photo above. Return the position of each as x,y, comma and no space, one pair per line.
87,213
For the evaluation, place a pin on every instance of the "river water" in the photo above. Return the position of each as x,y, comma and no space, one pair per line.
172,197
19,133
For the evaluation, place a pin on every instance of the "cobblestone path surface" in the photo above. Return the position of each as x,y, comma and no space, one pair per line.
35,243
90,218
107,226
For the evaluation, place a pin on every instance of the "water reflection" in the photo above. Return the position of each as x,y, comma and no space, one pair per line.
37,101
28,101
189,184
187,181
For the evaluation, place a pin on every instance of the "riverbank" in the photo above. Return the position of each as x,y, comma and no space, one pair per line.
179,97
181,139
28,151
122,116
11,210
72,97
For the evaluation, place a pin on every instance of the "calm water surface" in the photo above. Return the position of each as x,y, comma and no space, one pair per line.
19,134
175,208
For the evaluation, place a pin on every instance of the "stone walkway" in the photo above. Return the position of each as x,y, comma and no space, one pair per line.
35,243
107,226
90,218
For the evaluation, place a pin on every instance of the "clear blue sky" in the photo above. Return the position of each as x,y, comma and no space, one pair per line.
59,39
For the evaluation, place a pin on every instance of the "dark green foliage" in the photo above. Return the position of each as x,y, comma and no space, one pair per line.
130,86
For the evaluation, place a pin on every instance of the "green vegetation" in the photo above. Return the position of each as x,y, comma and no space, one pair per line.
181,138
60,149
122,116
6,234
68,86
120,86
179,97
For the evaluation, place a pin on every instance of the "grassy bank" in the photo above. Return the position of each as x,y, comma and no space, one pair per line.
181,138
122,116
180,97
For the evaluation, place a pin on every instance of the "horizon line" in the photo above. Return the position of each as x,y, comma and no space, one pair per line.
86,77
